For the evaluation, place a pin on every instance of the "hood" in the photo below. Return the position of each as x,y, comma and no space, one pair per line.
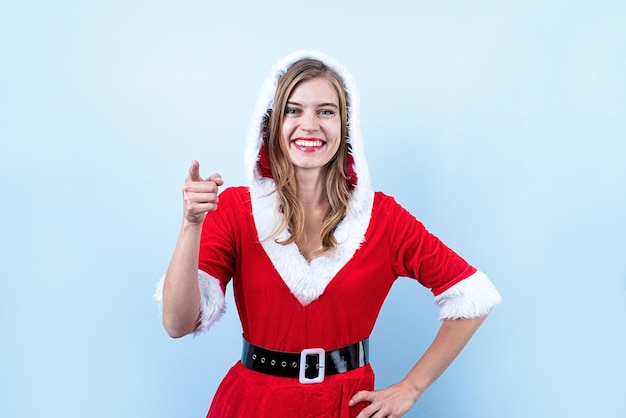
265,101
307,281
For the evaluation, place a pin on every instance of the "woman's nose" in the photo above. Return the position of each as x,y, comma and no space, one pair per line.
309,121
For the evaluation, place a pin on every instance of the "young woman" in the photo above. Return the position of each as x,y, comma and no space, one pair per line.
312,252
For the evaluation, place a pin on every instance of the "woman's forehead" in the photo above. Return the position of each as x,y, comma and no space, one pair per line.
317,90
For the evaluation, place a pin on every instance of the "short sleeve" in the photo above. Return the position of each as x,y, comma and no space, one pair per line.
218,245
460,290
418,254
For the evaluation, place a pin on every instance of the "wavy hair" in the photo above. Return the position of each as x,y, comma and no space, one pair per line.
338,186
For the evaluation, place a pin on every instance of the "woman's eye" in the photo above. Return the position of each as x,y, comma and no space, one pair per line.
327,112
291,111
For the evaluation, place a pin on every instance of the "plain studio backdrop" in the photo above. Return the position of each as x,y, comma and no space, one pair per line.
500,125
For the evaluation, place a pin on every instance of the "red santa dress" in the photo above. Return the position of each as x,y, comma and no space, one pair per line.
288,304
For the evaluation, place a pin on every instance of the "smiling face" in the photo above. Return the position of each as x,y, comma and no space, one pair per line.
311,128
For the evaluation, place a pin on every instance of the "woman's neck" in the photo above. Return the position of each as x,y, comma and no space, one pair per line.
312,189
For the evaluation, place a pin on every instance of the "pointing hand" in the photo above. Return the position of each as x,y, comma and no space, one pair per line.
200,195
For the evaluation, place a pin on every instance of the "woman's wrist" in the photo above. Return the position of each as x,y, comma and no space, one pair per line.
190,226
415,388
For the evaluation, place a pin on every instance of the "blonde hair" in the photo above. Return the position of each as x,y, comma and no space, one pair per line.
338,187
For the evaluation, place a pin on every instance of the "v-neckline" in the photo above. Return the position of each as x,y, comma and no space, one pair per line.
307,280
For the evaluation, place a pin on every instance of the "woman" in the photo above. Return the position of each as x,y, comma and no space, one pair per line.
312,252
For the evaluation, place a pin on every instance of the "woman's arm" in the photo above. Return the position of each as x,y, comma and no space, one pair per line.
181,293
397,400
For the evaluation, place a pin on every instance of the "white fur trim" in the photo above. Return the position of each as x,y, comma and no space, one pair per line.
470,298
265,100
307,281
212,301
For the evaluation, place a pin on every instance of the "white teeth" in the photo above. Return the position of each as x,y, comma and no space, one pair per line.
311,144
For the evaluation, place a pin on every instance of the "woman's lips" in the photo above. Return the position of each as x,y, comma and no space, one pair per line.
308,144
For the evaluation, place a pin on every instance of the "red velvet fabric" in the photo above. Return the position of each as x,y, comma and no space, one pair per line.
396,244
246,393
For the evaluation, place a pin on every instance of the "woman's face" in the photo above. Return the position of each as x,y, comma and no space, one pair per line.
312,124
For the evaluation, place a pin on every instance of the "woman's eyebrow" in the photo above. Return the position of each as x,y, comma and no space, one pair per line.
290,103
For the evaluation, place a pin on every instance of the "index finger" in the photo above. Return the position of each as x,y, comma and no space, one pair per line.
216,178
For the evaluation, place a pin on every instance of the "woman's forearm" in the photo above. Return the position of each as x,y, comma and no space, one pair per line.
451,338
398,399
181,294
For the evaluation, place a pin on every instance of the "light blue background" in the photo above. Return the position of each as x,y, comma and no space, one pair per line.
501,125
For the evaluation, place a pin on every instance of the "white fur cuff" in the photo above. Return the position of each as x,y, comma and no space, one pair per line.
212,301
470,298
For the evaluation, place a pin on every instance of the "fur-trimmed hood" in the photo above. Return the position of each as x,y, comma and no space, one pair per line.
307,280
265,101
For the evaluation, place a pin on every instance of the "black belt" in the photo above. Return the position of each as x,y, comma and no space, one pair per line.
317,362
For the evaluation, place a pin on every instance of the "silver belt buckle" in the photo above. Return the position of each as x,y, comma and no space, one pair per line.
321,364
